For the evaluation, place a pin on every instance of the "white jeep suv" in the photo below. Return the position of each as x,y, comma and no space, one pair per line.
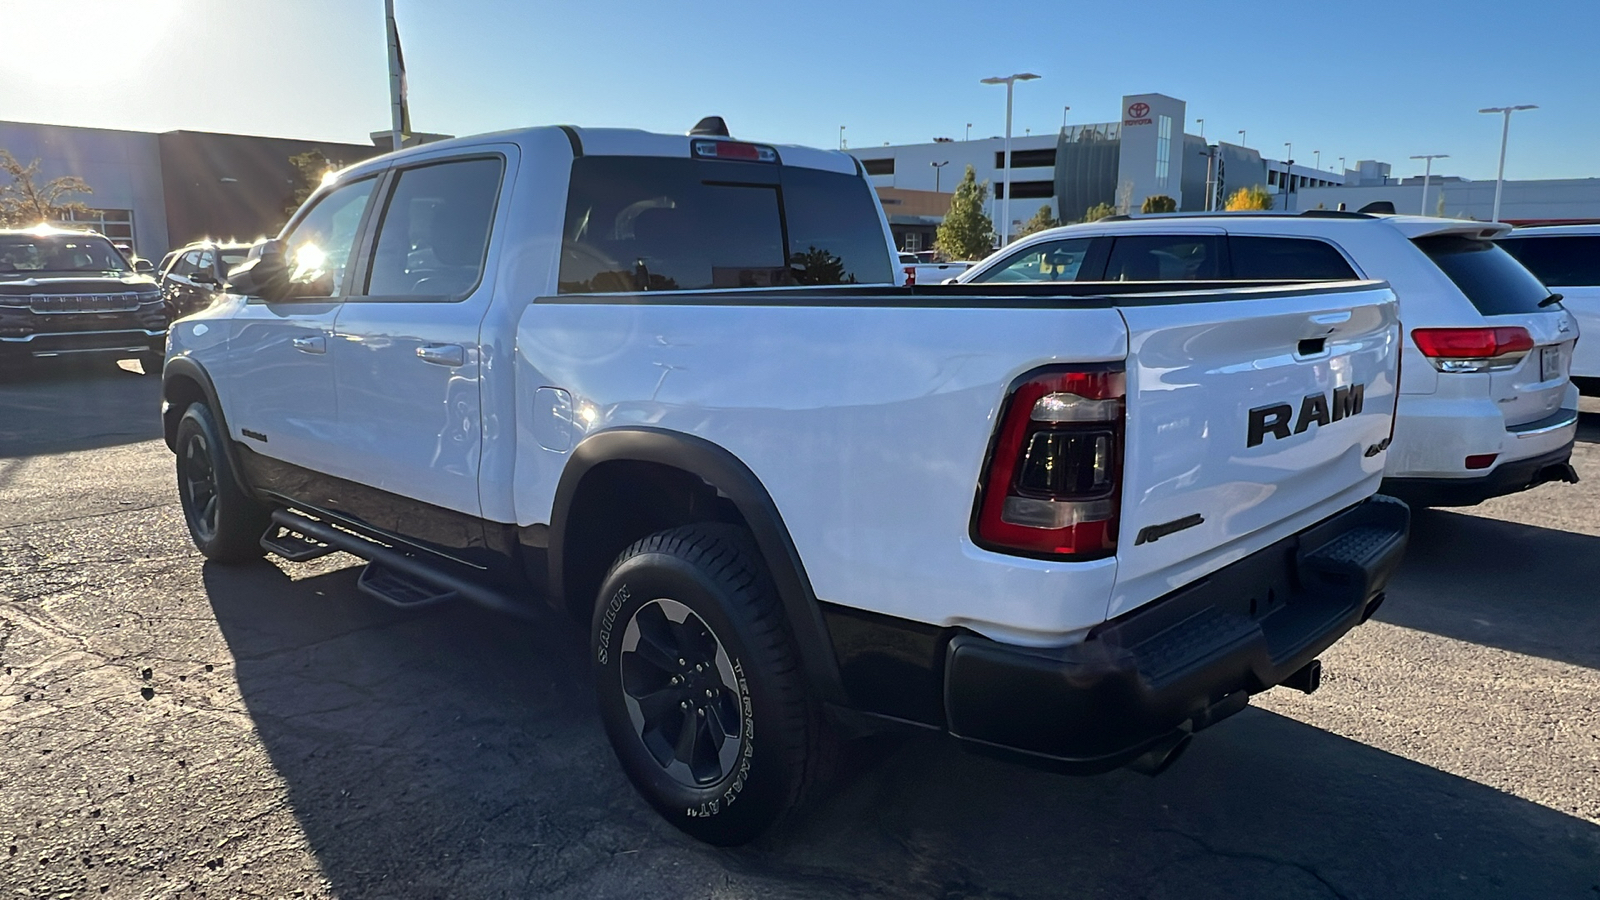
1486,405
1567,259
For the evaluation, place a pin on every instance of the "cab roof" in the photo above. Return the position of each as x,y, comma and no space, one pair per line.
614,142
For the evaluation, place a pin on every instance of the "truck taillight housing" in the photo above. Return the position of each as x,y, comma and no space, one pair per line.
1473,349
1052,487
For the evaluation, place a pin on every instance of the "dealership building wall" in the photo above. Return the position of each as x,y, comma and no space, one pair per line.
1550,200
161,191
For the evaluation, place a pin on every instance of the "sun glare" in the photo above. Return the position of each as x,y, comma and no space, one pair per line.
125,30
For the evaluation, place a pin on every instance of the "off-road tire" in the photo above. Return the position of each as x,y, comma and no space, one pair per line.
225,524
715,572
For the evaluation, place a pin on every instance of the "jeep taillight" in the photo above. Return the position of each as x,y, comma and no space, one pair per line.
1473,349
1053,483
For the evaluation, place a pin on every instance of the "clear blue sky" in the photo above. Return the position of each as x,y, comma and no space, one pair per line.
1361,80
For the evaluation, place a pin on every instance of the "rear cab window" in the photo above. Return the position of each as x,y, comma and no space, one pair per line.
1496,283
663,224
1558,260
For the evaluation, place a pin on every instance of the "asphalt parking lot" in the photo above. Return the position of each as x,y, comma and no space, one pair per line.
169,728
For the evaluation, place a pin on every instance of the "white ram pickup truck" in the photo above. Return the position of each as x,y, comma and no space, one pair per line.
665,383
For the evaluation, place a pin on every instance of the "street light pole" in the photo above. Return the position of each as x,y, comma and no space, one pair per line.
1427,174
1202,124
1241,137
969,131
1064,111
1010,81
1288,174
841,137
1318,154
1505,132
938,169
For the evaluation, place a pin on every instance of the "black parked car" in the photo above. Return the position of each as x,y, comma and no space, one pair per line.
71,292
192,276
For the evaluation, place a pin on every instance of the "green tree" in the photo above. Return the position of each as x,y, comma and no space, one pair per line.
1254,197
25,202
1041,220
1099,211
310,168
1159,203
966,232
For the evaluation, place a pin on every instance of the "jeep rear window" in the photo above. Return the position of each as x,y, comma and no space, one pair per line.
1559,260
661,224
1496,283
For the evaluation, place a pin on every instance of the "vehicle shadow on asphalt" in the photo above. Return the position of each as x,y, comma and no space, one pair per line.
455,753
59,406
1589,427
1500,584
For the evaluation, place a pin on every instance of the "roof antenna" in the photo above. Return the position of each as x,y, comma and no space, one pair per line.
711,126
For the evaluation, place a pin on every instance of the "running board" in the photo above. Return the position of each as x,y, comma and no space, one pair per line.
398,589
394,565
292,545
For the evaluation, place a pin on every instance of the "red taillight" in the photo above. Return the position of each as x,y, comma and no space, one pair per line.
1054,482
734,150
1472,343
911,275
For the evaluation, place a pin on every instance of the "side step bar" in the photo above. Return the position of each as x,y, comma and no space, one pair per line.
392,575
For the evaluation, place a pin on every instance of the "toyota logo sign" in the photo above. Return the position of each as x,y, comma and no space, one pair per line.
1138,110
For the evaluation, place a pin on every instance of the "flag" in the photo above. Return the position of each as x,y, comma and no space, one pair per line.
400,111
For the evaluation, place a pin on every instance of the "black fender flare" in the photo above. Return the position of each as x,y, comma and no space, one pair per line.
182,367
728,474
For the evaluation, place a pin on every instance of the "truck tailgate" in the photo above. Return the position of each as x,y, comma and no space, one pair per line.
1249,418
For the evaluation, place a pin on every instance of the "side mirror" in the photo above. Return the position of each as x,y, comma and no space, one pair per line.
203,276
264,274
143,266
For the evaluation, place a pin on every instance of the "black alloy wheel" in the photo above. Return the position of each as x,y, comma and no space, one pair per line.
681,692
225,523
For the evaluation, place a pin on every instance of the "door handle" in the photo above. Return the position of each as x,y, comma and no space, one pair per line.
315,344
442,354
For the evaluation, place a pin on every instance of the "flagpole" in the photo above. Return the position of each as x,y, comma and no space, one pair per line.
395,100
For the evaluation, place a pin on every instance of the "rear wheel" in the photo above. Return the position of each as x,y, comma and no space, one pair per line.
225,524
699,684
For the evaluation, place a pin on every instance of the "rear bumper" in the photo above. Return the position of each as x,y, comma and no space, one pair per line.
1181,663
1508,478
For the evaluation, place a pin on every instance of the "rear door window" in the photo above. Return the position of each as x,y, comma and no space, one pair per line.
661,224
1495,282
1279,259
1049,261
1165,257
1559,261
434,234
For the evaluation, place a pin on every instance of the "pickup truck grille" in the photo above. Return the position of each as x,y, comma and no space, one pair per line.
83,303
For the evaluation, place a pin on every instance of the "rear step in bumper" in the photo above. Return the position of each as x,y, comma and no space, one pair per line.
1181,663
424,583
1509,478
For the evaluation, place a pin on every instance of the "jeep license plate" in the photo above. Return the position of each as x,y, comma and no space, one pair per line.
1549,362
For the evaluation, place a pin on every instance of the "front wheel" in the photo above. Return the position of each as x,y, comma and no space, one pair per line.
225,524
699,684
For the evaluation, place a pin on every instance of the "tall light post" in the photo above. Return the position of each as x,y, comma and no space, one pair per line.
841,137
1010,81
1427,173
1341,167
1064,111
1505,132
1318,155
969,131
1241,137
1288,174
1202,124
938,169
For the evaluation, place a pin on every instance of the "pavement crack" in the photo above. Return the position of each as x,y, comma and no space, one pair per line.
1207,846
